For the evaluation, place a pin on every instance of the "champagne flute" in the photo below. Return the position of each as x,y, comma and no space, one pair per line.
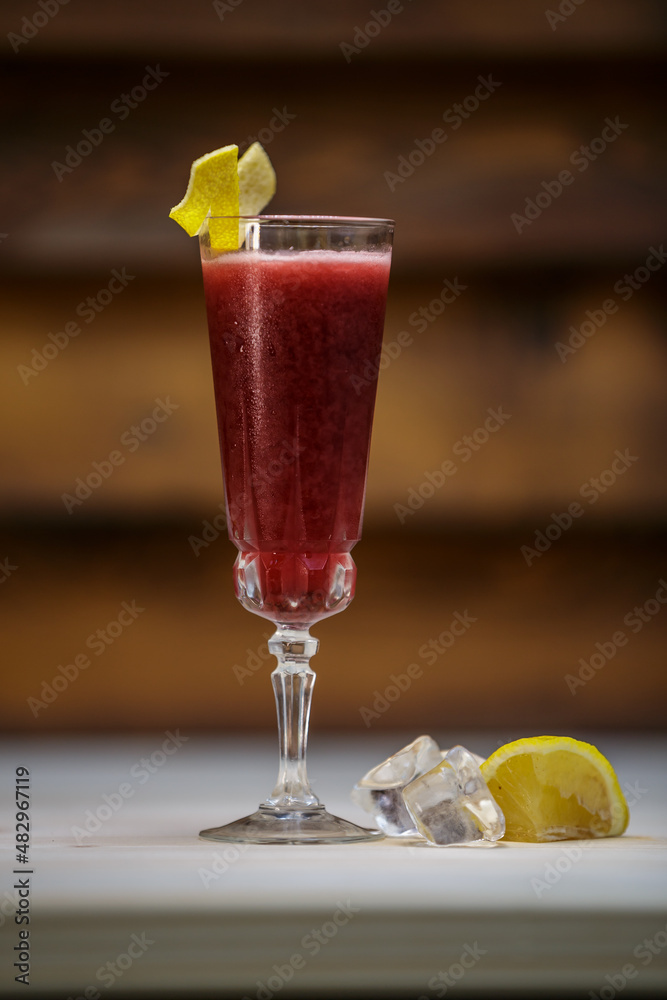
295,319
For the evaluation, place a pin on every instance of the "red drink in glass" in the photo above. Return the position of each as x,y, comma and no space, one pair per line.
295,339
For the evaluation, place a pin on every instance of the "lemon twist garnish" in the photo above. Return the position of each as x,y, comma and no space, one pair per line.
555,788
257,180
213,186
222,185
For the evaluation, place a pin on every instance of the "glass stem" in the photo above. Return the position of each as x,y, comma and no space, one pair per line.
293,681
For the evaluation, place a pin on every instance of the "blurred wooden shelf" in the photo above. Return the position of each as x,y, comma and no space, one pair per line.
193,657
299,29
455,210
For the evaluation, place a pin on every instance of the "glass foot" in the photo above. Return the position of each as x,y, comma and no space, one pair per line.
267,826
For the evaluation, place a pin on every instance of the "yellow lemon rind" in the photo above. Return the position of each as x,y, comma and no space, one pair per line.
213,188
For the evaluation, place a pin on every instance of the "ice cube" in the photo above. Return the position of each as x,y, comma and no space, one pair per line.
451,803
380,791
475,756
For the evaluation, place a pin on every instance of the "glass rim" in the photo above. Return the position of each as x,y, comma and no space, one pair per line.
308,219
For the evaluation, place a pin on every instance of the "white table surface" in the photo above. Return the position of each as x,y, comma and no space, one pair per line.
394,918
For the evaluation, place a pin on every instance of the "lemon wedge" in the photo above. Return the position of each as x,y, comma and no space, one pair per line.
555,788
222,185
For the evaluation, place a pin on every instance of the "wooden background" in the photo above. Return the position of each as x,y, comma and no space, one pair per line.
188,657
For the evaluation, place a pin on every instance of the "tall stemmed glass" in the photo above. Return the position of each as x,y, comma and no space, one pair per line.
295,319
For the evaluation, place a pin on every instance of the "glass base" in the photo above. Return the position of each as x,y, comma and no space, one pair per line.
267,826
